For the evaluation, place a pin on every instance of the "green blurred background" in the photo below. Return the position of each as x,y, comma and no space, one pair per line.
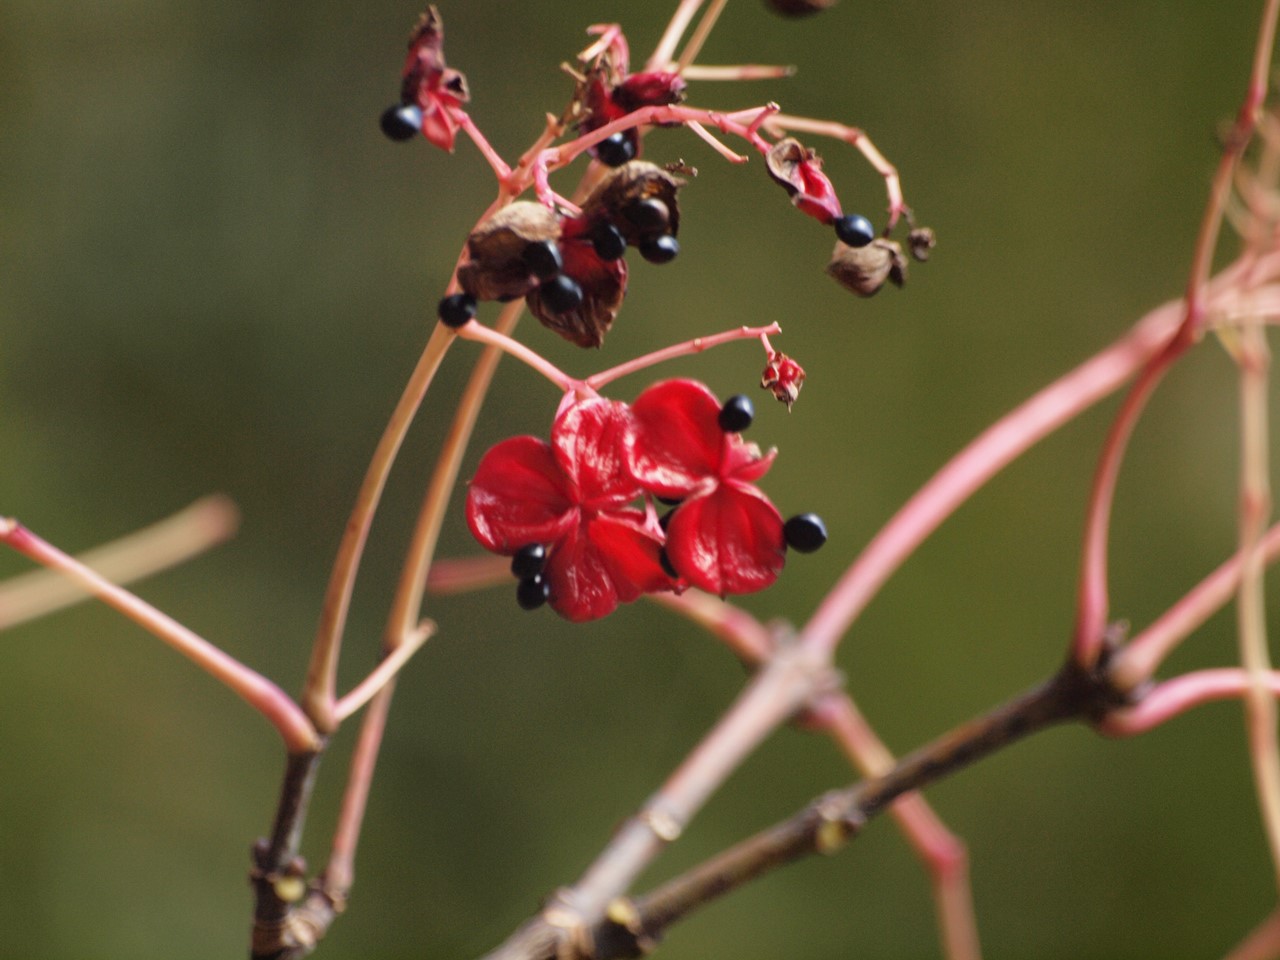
216,275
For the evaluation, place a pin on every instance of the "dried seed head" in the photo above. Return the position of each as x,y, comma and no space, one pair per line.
496,268
798,170
602,284
798,8
865,269
921,242
782,377
632,186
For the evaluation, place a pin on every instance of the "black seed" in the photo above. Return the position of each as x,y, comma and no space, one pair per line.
543,259
560,294
660,249
532,592
616,150
456,309
648,216
665,561
529,561
855,230
608,241
805,532
736,414
401,122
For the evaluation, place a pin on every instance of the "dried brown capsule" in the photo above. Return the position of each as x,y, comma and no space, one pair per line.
921,242
603,285
496,268
633,198
865,269
799,8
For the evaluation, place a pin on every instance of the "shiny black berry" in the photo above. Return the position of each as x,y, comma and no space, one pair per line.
855,230
736,414
608,241
805,532
401,122
660,249
529,561
456,309
616,150
560,294
648,216
532,592
543,259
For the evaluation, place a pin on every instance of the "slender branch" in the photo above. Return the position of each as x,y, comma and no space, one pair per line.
1172,698
665,50
831,820
256,690
1139,659
696,345
1255,507
174,540
700,34
967,472
1092,600
319,693
387,668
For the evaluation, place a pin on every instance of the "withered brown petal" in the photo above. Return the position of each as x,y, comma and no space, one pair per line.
428,37
630,183
783,163
495,269
864,270
921,242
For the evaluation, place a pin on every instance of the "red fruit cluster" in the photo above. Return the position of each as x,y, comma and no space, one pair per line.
587,499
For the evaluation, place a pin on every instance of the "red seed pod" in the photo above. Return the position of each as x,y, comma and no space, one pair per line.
782,377
798,170
654,88
427,82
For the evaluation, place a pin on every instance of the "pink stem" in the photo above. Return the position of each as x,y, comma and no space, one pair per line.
1174,697
984,457
463,119
696,345
1141,657
479,333
260,693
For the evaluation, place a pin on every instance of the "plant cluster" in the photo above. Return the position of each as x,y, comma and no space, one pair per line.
658,497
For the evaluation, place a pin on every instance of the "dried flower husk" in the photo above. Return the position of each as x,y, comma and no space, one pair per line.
798,170
495,269
634,181
782,377
921,242
864,270
603,283
799,8
429,83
